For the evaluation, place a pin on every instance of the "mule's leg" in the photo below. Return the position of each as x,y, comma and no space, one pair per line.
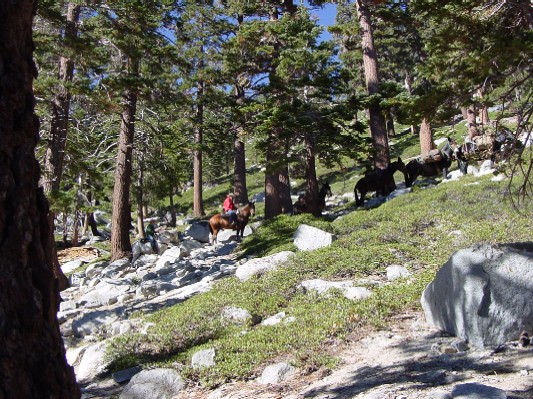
463,166
361,200
445,173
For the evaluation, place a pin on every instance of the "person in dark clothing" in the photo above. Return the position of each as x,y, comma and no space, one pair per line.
150,235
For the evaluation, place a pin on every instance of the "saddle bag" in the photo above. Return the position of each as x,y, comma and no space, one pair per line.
483,142
432,156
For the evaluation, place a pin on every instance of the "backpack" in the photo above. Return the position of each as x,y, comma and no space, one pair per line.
150,230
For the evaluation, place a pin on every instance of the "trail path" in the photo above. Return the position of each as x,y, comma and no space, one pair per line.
409,361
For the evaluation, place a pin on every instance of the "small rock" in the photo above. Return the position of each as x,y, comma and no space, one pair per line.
203,358
276,373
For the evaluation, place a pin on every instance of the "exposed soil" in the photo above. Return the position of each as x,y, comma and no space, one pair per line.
409,361
73,253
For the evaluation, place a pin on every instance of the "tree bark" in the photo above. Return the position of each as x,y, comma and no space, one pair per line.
32,356
239,167
139,199
198,205
311,192
409,87
426,138
484,111
285,199
378,129
272,189
172,209
471,121
121,219
55,153
239,172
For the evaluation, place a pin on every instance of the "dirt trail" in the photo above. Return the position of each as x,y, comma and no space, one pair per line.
409,361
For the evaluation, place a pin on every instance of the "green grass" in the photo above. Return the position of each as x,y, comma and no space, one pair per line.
420,231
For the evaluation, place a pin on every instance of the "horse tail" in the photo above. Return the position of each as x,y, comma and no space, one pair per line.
210,227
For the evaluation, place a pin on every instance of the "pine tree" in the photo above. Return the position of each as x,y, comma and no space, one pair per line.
32,357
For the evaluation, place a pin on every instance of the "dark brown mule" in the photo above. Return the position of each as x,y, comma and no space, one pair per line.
219,221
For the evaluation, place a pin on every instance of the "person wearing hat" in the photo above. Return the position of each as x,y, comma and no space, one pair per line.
230,209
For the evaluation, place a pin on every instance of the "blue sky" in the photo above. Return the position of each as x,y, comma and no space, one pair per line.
326,17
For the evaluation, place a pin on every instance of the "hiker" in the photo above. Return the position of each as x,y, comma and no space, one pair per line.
150,235
229,208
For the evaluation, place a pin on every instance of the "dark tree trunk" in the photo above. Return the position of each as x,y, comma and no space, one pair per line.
121,219
409,88
378,130
92,224
139,199
32,356
311,192
285,199
390,126
198,204
239,167
239,182
285,183
172,209
272,189
55,153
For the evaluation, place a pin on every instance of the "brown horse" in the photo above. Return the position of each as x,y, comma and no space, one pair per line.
219,221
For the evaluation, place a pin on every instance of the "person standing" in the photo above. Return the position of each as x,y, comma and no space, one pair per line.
230,209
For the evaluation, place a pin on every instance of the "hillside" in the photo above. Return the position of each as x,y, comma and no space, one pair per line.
418,231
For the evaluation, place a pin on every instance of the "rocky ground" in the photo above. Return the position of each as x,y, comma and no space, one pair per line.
409,361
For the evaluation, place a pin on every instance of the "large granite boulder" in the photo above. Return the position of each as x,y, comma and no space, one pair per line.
153,384
483,294
308,238
199,231
259,266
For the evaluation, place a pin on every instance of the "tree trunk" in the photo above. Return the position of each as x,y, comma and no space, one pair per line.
378,130
285,183
285,199
55,153
484,111
311,192
32,356
121,218
390,125
426,138
239,167
172,209
139,199
75,229
198,205
471,122
239,173
272,202
92,225
409,87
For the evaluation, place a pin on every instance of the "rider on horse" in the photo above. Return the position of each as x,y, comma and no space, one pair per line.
229,208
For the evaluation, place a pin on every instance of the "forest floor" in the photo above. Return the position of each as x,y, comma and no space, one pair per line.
408,361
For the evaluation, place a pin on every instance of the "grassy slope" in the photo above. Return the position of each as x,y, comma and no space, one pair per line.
419,230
